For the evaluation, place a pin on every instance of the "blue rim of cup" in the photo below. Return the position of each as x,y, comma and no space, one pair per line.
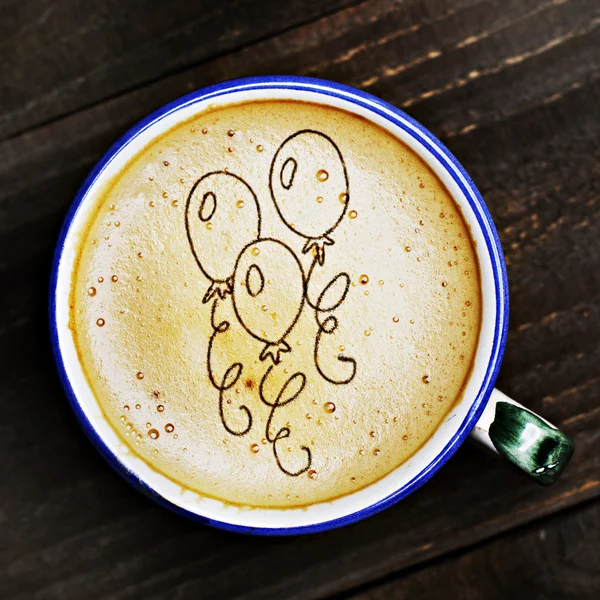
454,169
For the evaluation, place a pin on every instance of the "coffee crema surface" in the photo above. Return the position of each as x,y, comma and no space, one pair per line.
276,303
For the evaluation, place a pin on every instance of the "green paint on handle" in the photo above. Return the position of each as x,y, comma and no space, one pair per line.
530,443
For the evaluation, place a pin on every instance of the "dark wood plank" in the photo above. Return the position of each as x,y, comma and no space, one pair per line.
555,558
72,529
75,530
58,57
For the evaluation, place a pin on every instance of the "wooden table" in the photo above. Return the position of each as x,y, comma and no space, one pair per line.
513,88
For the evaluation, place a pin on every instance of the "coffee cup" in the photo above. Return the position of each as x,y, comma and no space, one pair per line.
480,411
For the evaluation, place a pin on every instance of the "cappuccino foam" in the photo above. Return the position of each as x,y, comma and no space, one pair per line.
276,303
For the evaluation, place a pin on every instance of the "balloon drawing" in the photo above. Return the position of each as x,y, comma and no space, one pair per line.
222,216
268,294
309,186
268,285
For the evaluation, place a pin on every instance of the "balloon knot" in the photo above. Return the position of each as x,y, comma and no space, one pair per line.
319,247
273,350
218,288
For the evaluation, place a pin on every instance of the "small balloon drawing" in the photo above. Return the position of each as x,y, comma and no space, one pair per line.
222,216
268,294
309,186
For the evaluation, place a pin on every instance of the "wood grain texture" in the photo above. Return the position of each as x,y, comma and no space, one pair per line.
58,57
555,558
512,88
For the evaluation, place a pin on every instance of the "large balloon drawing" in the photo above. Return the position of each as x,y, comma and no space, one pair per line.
309,186
222,216
268,294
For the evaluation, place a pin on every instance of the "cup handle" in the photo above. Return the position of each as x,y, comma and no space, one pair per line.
524,438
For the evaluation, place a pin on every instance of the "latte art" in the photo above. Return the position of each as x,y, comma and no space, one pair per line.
287,309
267,273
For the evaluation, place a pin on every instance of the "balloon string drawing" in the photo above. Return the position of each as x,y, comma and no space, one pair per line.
290,390
230,377
265,278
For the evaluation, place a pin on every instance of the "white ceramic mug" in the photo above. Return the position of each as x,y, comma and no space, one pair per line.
505,426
